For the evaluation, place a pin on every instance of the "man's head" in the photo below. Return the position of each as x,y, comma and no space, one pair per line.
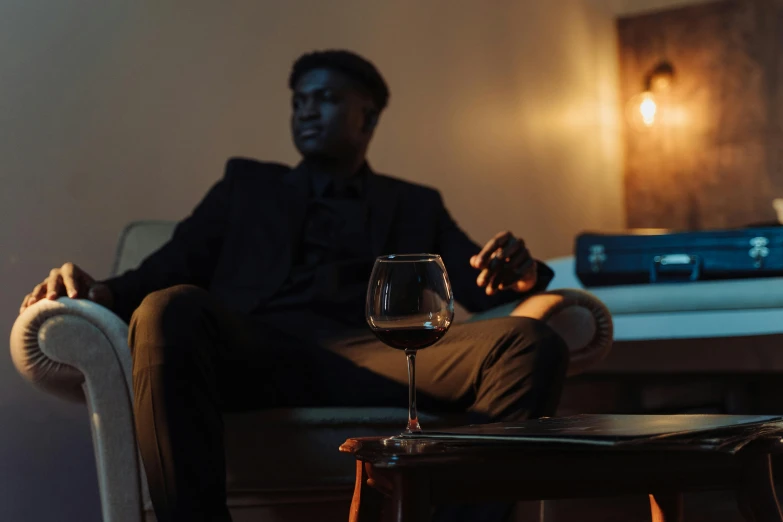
337,99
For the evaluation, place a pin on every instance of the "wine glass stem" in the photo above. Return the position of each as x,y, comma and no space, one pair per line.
413,417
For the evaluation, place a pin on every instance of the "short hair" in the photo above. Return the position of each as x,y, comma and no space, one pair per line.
351,64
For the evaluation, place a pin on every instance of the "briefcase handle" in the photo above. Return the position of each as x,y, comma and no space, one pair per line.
676,261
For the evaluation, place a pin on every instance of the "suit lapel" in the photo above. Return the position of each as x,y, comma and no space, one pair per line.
382,200
297,187
280,213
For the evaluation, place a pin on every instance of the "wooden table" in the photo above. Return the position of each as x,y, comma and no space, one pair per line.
585,457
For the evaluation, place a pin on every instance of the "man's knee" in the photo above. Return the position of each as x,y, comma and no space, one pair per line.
166,319
537,338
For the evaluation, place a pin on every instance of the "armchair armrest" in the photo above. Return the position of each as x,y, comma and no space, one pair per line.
580,318
61,345
78,350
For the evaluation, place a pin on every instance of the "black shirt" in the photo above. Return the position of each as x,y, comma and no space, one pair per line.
333,260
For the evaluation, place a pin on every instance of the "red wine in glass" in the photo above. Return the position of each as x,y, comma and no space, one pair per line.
410,306
411,337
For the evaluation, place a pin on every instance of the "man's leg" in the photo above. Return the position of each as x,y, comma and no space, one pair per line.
192,360
510,368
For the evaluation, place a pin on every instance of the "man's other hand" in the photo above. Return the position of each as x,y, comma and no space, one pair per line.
505,263
69,280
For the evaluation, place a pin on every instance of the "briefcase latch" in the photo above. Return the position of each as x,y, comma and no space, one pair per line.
675,267
597,257
758,250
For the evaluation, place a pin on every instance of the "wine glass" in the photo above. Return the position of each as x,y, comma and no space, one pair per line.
410,307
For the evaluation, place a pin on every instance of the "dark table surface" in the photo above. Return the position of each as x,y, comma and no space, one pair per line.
723,432
593,434
568,457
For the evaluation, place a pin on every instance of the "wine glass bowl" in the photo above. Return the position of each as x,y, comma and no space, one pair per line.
410,306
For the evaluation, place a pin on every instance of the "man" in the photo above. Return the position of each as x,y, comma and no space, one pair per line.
258,299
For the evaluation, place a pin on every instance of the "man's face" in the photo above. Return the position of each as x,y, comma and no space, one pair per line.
329,115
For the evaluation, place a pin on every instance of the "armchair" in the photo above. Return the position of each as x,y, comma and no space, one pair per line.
78,350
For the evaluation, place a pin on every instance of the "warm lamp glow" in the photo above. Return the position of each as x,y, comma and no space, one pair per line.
643,110
648,108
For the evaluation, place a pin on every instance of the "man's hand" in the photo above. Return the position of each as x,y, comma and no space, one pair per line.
72,281
505,263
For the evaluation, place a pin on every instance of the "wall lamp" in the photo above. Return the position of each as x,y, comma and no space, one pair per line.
643,109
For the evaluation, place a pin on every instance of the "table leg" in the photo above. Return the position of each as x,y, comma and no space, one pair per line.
367,501
756,498
411,498
666,507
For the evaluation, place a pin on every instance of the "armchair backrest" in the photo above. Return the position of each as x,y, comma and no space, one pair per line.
138,240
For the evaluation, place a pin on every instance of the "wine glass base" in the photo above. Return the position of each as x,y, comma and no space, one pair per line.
408,435
408,444
413,427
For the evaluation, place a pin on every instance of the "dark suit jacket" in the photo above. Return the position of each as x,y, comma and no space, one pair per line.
238,241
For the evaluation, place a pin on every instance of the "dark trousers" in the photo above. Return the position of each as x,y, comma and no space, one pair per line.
194,360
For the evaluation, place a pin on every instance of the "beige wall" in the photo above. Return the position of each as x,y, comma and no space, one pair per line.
114,111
